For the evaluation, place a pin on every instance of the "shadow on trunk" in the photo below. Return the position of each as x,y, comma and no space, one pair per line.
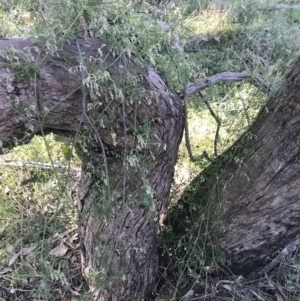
245,205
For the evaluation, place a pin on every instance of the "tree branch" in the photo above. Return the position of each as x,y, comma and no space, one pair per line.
30,164
287,250
191,89
186,130
217,119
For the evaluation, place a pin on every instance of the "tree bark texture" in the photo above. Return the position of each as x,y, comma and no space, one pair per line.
118,231
251,193
130,142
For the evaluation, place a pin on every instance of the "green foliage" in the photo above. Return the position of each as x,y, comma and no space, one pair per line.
292,16
37,215
185,42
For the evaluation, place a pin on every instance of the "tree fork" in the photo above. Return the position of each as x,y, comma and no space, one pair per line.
253,187
260,194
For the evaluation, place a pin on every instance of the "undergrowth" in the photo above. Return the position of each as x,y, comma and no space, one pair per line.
185,41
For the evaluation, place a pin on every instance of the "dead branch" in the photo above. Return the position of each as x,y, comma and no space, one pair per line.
186,130
191,89
290,248
217,119
289,6
30,164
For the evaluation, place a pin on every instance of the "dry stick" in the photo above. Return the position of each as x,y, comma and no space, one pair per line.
186,130
287,250
125,152
204,297
217,119
30,164
245,110
85,116
15,290
187,137
191,89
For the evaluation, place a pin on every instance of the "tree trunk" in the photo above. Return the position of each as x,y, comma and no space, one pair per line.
129,138
250,194
118,231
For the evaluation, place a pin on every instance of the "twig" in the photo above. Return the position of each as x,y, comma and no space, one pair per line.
31,164
12,291
186,130
187,137
280,257
257,295
170,284
205,296
245,110
192,89
288,6
217,119
125,151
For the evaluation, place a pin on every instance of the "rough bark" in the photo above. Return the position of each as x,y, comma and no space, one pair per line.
251,192
41,86
264,194
119,231
126,178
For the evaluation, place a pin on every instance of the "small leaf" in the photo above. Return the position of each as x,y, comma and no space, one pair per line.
228,287
26,251
217,39
26,20
5,270
59,251
13,259
10,249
